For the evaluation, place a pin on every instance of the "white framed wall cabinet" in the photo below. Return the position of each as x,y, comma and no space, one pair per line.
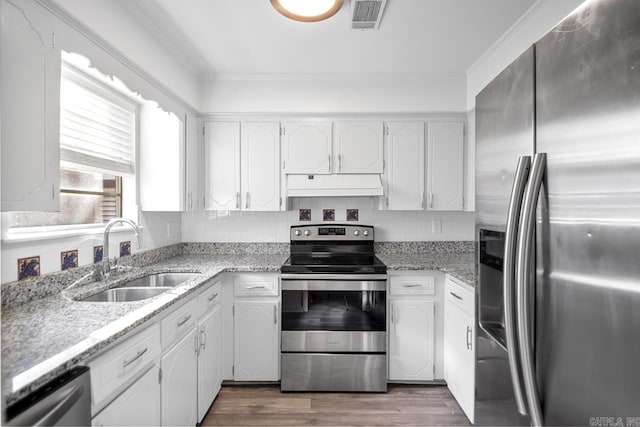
30,104
222,165
358,147
307,147
194,196
445,162
404,174
260,166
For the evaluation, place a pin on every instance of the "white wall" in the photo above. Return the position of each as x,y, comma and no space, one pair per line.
274,226
535,23
356,93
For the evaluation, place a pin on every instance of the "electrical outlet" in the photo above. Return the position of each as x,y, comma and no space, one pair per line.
436,226
169,229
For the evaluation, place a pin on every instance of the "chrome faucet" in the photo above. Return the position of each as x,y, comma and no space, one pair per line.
105,271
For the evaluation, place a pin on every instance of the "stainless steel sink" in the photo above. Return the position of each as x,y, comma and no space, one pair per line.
126,294
167,280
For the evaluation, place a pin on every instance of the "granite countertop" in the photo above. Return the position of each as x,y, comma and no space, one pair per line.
45,337
459,265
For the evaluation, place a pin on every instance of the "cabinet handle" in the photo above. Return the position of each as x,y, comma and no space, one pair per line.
247,201
430,199
392,315
329,157
136,357
412,285
456,296
469,337
237,200
185,320
422,199
197,349
189,201
275,315
203,339
212,297
339,162
256,287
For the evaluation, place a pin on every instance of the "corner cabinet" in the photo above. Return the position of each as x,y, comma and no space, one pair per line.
30,105
445,162
459,352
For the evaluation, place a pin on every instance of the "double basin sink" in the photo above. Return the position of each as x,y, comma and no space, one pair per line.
141,288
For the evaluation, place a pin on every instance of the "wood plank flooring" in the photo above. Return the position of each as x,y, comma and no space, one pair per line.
402,405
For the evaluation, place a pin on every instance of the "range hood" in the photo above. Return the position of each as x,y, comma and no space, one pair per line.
334,185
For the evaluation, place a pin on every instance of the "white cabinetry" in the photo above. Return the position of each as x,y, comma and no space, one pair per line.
210,343
459,360
260,166
256,327
412,339
358,147
404,175
222,165
307,147
445,161
194,195
179,366
30,105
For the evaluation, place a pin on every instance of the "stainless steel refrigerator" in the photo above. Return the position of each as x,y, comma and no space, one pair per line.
558,227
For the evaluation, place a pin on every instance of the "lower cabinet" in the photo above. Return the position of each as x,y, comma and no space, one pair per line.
179,379
139,405
209,359
459,367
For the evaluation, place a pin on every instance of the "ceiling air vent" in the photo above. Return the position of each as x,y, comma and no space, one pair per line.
366,14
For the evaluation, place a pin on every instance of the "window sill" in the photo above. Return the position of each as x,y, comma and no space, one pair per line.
59,232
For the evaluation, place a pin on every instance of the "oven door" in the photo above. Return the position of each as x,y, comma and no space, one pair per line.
334,316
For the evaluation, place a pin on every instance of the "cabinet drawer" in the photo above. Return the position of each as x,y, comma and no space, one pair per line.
413,285
255,284
117,368
459,295
178,323
209,298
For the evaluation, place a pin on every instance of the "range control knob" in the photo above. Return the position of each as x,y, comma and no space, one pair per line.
297,232
307,232
356,233
365,233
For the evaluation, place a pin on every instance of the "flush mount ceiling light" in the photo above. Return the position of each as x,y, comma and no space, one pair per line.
307,10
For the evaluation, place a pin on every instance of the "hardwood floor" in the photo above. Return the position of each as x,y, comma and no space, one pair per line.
402,405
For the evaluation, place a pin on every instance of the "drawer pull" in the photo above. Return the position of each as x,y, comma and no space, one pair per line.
185,320
212,297
257,287
453,294
137,356
469,338
203,339
275,315
412,285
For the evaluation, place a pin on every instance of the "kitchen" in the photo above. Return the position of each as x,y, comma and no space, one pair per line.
240,145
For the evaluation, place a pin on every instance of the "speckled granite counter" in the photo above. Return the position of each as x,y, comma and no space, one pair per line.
460,265
45,337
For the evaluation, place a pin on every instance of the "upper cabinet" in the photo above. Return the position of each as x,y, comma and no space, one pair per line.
194,195
358,147
326,147
242,166
404,176
307,147
260,166
445,160
30,105
222,165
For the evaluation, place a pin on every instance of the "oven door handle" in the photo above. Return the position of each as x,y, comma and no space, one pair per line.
333,285
324,276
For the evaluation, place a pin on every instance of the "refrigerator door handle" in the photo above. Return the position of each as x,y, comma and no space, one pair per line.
524,267
510,240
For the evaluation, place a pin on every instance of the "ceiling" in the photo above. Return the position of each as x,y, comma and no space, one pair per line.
250,37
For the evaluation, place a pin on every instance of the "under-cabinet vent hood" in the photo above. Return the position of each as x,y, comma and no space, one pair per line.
335,185
366,14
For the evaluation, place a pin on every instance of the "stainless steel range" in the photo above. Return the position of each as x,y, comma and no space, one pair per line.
333,311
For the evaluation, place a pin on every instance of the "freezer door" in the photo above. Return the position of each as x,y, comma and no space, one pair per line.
588,283
504,132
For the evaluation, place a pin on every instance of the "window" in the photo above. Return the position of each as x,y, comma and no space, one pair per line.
97,156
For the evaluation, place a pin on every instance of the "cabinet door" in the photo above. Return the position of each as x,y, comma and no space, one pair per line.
209,360
179,383
139,405
260,154
411,353
194,164
445,162
30,105
307,147
222,165
459,358
256,341
405,168
359,147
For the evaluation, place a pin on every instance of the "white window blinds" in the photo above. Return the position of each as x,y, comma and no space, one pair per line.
97,125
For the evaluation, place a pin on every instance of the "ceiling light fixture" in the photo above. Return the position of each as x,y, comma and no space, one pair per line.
307,10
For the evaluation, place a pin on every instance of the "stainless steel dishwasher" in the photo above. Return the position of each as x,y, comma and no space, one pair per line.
64,401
